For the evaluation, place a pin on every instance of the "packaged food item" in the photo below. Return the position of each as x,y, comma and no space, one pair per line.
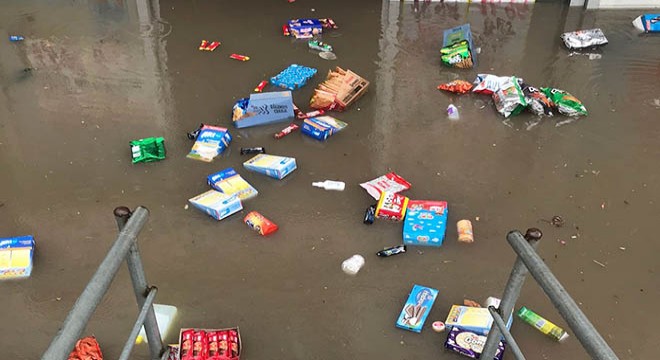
474,319
438,326
301,115
217,204
647,23
211,142
293,77
285,30
565,103
215,344
509,98
541,324
465,231
304,28
584,38
239,57
319,45
456,86
15,38
186,341
214,341
259,223
537,102
352,265
394,250
340,89
286,131
263,109
328,23
390,182
470,344
253,150
86,348
16,257
203,45
229,182
212,46
457,47
322,127
173,353
370,215
271,165
148,149
391,206
417,308
259,88
487,83
425,223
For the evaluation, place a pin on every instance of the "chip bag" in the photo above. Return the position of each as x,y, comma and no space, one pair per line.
564,102
457,55
148,149
537,102
86,349
487,83
456,86
391,182
509,99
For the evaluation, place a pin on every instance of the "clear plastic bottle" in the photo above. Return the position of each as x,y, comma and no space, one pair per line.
330,185
452,112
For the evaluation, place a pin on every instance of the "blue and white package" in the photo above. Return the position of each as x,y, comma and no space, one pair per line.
229,182
211,142
271,165
322,127
425,223
417,308
305,28
16,257
647,23
217,204
263,109
294,77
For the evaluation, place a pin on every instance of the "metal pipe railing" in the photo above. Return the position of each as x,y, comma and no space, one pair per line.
510,341
130,343
90,298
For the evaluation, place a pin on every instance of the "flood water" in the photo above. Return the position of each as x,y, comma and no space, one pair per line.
106,72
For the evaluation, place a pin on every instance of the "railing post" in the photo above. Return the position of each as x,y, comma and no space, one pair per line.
140,286
511,292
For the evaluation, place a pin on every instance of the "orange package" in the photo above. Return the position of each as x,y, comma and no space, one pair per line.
259,223
456,86
86,349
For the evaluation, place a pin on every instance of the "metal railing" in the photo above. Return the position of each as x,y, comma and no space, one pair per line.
530,261
124,248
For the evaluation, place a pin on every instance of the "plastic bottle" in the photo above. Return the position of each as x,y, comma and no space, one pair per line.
352,265
542,324
330,185
452,112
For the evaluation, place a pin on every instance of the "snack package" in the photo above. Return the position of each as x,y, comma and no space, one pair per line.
474,319
425,223
487,83
304,28
173,352
260,223
211,142
293,77
86,348
457,55
148,149
217,204
263,109
537,102
417,308
584,38
339,90
565,103
470,344
647,23
16,257
391,206
229,182
456,86
509,98
389,182
186,349
234,344
271,165
322,127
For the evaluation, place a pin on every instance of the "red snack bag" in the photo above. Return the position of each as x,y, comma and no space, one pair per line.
185,352
389,182
203,45
239,57
200,346
391,206
86,349
233,343
456,86
223,344
212,46
259,223
261,86
310,114
213,341
285,30
286,131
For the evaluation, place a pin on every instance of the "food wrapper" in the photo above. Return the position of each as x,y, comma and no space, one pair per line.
391,206
565,103
86,348
211,142
339,90
488,84
584,38
148,149
229,182
293,77
647,23
417,308
457,55
322,127
260,223
389,182
456,86
509,99
470,344
425,223
537,102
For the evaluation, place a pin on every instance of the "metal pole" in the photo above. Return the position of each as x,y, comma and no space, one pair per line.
130,343
510,341
591,340
98,285
512,289
140,287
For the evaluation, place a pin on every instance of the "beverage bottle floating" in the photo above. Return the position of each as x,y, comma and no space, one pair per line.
330,185
541,324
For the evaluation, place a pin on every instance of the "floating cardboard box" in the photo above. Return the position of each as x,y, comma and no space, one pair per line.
417,308
425,223
271,165
322,127
263,109
16,257
229,182
217,204
211,142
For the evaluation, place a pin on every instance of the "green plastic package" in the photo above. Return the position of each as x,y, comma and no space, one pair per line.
457,55
148,149
566,103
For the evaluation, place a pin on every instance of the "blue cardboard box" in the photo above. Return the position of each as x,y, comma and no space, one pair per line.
305,28
322,127
271,165
211,142
229,182
425,223
263,109
217,204
16,257
417,308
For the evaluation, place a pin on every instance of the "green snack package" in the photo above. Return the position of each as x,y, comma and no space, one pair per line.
148,149
566,103
457,55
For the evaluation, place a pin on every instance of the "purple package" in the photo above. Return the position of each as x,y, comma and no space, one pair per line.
470,344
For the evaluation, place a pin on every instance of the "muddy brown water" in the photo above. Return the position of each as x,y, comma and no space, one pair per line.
107,72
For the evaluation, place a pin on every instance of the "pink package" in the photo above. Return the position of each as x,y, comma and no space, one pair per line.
389,182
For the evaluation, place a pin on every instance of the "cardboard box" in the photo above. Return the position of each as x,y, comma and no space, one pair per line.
475,319
211,142
340,89
271,165
391,206
263,109
470,344
217,204
229,182
183,346
16,257
456,35
417,308
425,223
305,28
322,127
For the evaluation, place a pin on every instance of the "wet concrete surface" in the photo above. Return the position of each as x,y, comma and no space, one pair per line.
107,72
